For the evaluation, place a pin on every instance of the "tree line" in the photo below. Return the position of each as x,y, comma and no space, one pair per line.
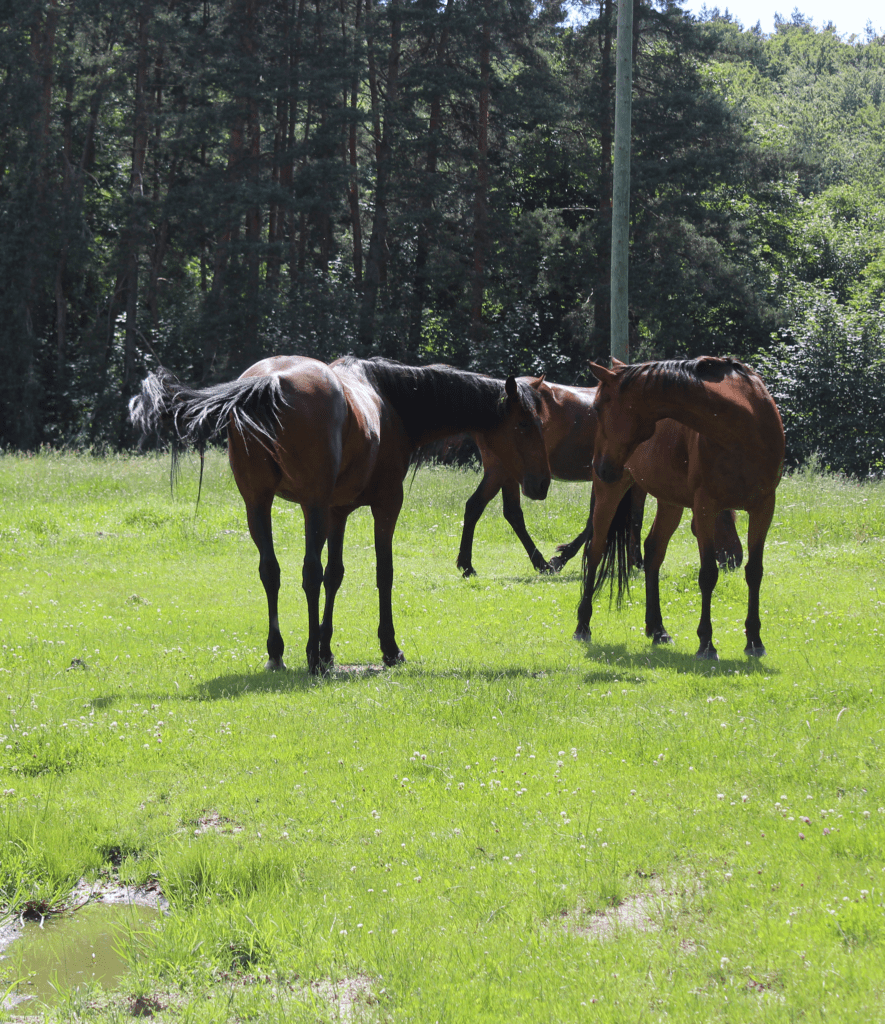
203,182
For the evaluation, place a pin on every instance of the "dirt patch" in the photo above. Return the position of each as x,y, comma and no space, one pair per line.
349,997
212,821
634,914
111,891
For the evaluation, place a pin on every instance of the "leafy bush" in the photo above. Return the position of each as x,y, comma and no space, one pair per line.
826,372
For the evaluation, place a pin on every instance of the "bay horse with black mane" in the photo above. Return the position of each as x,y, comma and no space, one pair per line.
334,438
568,423
724,450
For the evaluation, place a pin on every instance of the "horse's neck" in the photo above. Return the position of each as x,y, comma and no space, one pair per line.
718,415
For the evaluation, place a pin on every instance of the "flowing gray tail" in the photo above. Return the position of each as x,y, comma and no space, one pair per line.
196,416
615,560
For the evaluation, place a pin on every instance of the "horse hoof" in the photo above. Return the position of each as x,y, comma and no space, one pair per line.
582,634
708,653
467,571
396,659
546,569
661,636
275,665
556,564
755,651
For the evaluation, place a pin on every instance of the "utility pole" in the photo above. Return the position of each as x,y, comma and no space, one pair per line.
621,184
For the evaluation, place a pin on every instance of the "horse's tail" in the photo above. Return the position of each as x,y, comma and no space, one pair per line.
615,560
196,416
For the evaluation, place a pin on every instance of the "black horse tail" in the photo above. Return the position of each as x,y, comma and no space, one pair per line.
615,558
196,416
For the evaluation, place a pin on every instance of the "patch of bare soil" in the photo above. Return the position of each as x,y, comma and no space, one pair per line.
110,890
212,821
349,997
634,914
641,912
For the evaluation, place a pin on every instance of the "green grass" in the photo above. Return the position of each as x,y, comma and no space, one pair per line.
441,838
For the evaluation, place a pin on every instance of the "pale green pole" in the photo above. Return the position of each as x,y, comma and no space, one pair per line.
621,184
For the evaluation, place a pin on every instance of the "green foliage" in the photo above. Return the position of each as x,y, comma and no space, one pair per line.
827,375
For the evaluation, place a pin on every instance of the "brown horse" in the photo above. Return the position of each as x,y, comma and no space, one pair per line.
568,422
334,438
724,450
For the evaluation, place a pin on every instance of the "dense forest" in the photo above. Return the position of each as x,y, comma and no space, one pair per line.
199,183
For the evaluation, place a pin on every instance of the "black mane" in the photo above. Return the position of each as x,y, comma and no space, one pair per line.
686,372
439,397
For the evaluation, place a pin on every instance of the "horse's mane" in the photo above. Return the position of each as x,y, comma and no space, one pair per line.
439,397
686,372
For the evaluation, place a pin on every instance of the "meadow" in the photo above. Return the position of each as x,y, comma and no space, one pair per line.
512,826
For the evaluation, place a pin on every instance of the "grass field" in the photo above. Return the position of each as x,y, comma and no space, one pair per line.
511,827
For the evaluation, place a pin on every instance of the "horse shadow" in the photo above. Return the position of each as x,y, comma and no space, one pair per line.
667,656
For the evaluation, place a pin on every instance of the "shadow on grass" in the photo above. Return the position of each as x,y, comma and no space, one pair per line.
667,657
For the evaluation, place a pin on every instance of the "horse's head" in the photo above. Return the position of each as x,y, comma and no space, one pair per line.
518,440
622,423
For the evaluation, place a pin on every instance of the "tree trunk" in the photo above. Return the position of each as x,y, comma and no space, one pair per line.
135,232
422,242
480,209
602,289
356,227
376,270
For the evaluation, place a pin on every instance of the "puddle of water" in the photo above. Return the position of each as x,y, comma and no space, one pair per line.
72,950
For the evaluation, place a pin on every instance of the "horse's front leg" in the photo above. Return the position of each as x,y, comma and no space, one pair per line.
605,500
261,531
662,529
760,521
514,515
316,528
473,510
566,552
385,516
708,575
332,579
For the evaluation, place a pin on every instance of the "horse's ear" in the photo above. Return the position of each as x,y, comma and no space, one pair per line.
602,373
616,363
511,388
538,381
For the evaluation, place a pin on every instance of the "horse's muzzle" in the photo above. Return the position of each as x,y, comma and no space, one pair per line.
535,487
607,471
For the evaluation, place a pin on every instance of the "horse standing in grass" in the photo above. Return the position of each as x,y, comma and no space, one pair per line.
716,442
568,422
334,438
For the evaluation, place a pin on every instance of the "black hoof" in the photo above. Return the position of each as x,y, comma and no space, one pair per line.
274,665
467,571
755,650
582,633
660,636
557,563
394,659
546,568
708,653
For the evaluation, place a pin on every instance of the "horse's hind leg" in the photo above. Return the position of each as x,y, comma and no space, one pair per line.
662,529
316,528
261,531
473,510
385,516
332,579
514,515
708,575
760,521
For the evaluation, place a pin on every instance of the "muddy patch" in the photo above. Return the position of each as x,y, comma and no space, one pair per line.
84,948
84,944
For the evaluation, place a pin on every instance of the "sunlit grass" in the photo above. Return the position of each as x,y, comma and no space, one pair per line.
437,836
